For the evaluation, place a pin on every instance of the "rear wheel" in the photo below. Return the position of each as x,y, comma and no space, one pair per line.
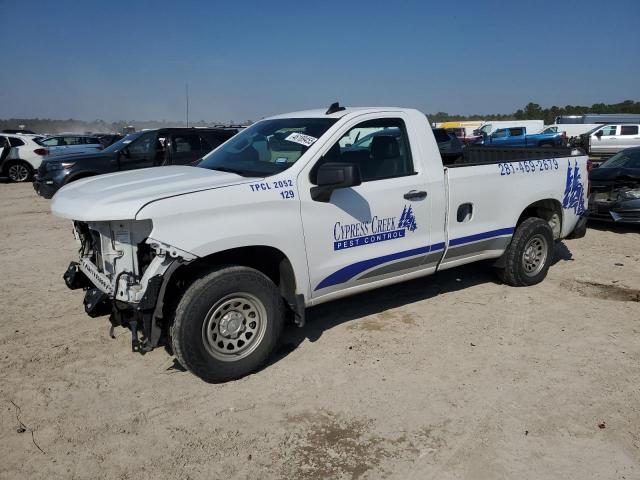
529,255
19,171
227,324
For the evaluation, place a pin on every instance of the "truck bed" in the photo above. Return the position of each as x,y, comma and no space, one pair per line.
480,155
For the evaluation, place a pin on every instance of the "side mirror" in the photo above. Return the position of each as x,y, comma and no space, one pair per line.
332,176
599,133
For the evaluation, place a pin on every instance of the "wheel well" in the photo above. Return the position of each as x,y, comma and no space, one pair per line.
549,210
268,260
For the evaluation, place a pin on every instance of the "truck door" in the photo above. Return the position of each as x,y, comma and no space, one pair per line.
605,140
500,137
375,230
516,137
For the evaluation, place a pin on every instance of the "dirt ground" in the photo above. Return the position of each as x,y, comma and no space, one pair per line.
449,377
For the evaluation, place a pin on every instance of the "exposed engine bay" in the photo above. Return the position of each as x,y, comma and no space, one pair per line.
615,199
123,271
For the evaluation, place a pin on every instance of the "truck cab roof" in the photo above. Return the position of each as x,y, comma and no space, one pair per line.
322,113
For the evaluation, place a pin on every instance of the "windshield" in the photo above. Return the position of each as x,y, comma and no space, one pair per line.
267,147
593,130
624,159
120,144
485,130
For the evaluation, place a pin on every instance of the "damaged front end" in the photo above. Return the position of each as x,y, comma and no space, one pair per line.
124,273
620,203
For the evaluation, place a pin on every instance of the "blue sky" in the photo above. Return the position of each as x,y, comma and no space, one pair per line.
248,59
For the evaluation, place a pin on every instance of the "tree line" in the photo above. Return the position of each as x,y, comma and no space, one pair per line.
533,111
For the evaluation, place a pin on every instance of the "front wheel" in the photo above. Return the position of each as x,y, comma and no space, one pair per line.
227,324
529,255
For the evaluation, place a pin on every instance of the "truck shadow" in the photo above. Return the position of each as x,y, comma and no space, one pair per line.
326,316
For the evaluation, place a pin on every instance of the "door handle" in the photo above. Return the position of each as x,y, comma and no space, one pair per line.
415,195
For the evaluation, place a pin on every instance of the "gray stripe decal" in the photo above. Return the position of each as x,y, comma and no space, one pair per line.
470,249
425,261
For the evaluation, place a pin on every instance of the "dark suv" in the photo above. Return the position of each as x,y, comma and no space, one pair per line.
147,148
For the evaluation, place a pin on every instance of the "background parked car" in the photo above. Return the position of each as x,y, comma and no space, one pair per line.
66,144
23,158
615,188
147,148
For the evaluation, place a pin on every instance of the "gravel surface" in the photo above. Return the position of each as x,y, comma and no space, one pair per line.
451,376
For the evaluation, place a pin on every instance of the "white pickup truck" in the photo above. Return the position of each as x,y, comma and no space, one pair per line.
211,260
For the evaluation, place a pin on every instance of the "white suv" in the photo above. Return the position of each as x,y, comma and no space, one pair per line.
24,158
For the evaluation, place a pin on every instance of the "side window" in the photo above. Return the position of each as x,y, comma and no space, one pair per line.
92,141
516,132
51,142
186,143
610,130
15,142
71,141
379,147
629,130
143,146
500,133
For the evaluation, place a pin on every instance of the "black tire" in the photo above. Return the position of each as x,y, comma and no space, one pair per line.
18,171
520,268
199,335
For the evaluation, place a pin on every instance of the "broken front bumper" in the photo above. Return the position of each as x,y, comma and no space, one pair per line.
625,211
137,306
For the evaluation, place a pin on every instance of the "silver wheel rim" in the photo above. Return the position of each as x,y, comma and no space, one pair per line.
18,173
234,327
535,255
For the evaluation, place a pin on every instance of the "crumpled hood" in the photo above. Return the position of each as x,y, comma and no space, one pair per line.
121,195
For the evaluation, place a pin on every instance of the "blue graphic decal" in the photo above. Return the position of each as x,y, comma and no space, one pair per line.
408,219
481,236
376,230
360,241
574,190
350,271
347,273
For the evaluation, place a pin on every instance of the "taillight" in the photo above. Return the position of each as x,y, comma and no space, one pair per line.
41,151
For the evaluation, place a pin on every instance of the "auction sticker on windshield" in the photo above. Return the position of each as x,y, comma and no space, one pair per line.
302,139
